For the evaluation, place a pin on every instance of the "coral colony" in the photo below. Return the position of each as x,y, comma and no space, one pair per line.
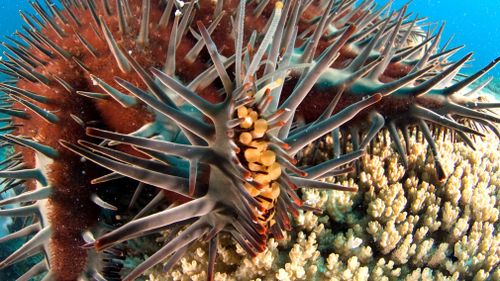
213,103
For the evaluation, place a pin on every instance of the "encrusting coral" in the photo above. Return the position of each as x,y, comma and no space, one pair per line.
397,227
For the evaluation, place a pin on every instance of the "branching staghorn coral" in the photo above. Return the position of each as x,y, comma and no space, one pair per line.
397,227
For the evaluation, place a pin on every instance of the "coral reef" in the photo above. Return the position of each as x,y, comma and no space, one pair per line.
397,227
211,105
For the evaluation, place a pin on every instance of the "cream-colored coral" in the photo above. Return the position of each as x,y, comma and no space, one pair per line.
399,226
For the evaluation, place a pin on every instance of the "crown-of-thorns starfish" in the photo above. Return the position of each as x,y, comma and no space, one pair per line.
211,102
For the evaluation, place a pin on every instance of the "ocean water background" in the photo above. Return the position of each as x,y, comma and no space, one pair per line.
474,23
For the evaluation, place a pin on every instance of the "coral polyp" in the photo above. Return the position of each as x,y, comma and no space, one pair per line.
212,103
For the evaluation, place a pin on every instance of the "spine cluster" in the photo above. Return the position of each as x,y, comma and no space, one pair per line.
211,103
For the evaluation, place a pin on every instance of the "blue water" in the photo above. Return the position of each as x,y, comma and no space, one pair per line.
475,24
